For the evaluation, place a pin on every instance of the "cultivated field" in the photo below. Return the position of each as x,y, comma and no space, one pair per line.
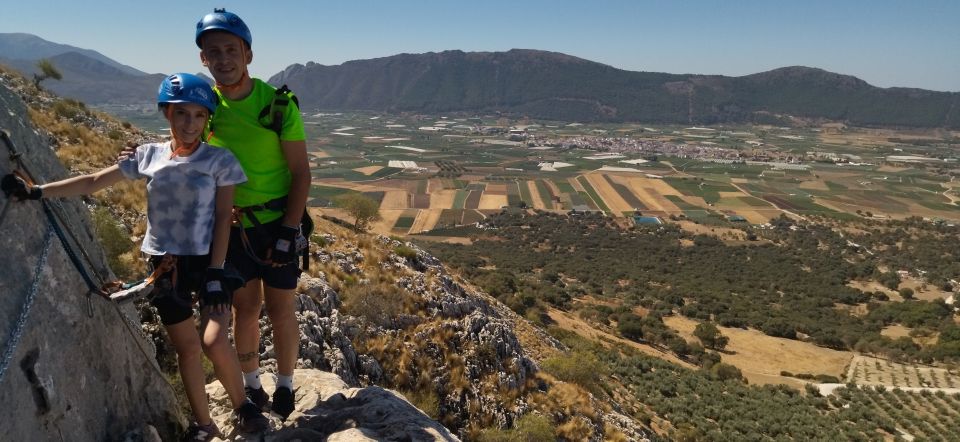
865,370
458,168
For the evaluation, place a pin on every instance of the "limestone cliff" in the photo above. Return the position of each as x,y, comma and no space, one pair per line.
79,367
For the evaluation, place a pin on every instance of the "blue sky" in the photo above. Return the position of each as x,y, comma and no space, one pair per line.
887,43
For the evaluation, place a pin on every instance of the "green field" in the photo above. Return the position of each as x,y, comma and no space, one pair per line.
546,196
404,222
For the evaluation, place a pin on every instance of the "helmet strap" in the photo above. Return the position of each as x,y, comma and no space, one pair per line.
234,86
178,146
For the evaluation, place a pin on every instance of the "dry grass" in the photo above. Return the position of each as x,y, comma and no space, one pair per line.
582,328
761,358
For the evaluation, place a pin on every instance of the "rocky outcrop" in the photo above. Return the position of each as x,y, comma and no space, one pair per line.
328,409
78,366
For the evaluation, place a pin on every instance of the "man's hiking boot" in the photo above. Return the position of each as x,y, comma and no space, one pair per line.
196,432
249,419
257,396
283,402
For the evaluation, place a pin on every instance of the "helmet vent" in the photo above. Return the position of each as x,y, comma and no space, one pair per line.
175,85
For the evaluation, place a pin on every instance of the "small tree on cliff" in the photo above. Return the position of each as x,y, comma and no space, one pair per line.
47,70
362,208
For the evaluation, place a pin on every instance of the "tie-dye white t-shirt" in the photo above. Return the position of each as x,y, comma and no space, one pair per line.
181,195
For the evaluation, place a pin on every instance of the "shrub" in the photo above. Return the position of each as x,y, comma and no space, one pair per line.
69,109
723,372
535,428
906,293
405,252
379,304
530,427
115,242
425,399
579,367
630,326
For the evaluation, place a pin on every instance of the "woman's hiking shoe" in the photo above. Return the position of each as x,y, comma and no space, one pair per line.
283,402
249,419
257,396
196,432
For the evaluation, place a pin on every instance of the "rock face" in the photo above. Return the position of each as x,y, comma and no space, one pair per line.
327,409
78,367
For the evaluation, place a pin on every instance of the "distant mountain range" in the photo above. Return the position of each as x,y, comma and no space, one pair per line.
557,86
534,83
88,75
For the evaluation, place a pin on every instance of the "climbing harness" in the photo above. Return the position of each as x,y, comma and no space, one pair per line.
278,204
17,330
130,291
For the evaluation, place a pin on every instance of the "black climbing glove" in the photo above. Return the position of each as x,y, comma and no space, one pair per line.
216,289
285,247
15,186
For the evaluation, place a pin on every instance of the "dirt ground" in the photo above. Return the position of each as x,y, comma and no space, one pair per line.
572,323
656,201
426,220
388,217
761,358
369,170
659,186
446,239
495,189
537,202
814,185
492,201
711,230
442,199
394,199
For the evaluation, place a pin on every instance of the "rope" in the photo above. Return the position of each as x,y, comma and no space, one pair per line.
27,304
91,285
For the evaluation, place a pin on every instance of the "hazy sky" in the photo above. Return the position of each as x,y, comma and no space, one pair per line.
887,43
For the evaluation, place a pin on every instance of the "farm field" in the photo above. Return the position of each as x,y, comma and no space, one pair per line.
865,370
458,166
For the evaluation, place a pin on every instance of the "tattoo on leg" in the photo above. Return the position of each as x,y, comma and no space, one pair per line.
244,357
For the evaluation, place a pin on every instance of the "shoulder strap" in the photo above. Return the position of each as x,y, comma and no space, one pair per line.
271,117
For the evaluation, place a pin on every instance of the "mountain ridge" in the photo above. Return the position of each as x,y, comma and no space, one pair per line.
541,84
551,85
23,46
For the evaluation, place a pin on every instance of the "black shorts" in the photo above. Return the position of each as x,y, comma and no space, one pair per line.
261,240
174,300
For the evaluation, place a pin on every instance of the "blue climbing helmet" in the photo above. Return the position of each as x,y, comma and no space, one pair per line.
221,20
186,88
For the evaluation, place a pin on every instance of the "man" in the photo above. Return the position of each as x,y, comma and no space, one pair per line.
271,202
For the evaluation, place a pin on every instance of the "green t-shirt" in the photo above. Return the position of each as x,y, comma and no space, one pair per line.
235,127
